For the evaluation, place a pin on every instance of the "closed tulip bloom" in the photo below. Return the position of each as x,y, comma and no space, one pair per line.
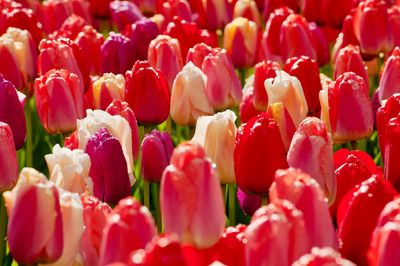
9,67
247,108
230,248
172,8
240,40
254,166
249,203
59,100
197,53
123,109
306,71
115,124
165,54
284,236
304,192
157,149
348,59
311,151
216,134
118,54
389,81
346,108
147,93
392,149
287,90
129,227
269,6
320,42
375,193
373,38
263,70
215,14
141,33
12,112
191,202
8,159
110,184
223,86
345,37
394,20
107,88
188,96
69,169
247,9
33,206
124,13
321,257
90,41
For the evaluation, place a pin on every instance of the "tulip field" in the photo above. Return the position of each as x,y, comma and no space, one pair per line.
200,132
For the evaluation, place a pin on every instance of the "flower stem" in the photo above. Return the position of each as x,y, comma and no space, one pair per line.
3,229
232,203
29,135
157,205
146,194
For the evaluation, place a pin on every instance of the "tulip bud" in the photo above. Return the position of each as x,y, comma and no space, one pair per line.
123,109
141,33
188,96
124,13
389,80
129,228
172,8
33,206
12,112
9,67
197,53
69,170
165,54
216,14
322,256
58,96
355,237
110,184
320,42
262,71
216,134
247,9
107,88
157,148
346,108
240,40
247,108
311,151
255,142
394,20
306,195
190,191
284,235
392,149
147,93
306,71
90,41
8,159
373,38
118,54
249,203
345,37
269,6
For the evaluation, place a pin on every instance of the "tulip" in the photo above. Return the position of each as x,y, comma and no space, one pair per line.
287,90
12,112
262,71
307,196
306,71
351,168
247,108
69,28
33,206
311,151
254,166
392,149
95,214
141,33
124,13
157,149
197,53
346,108
165,54
118,54
231,246
216,134
191,202
223,86
8,159
69,169
58,97
110,184
240,40
107,88
100,8
9,68
373,38
247,9
321,44
269,6
346,36
322,256
147,93
123,109
284,235
394,20
215,14
249,203
348,59
130,227
172,8
188,96
90,41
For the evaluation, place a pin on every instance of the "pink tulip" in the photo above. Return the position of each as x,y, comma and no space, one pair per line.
141,33
215,14
107,88
322,257
197,53
9,66
124,13
389,81
8,159
348,59
191,202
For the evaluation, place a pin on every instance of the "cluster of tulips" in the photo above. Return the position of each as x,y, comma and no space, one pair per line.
200,132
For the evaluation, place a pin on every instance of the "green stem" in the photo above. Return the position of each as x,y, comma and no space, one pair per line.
29,149
223,190
157,205
354,145
232,202
168,126
146,194
141,133
3,229
243,72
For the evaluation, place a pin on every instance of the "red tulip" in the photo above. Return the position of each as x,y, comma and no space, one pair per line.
247,108
8,159
392,149
58,96
124,13
304,192
346,36
307,71
231,246
90,41
254,165
197,53
141,33
322,257
262,71
394,20
12,112
191,202
321,44
129,227
147,93
269,6
389,81
172,8
9,68
100,8
355,237
215,14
